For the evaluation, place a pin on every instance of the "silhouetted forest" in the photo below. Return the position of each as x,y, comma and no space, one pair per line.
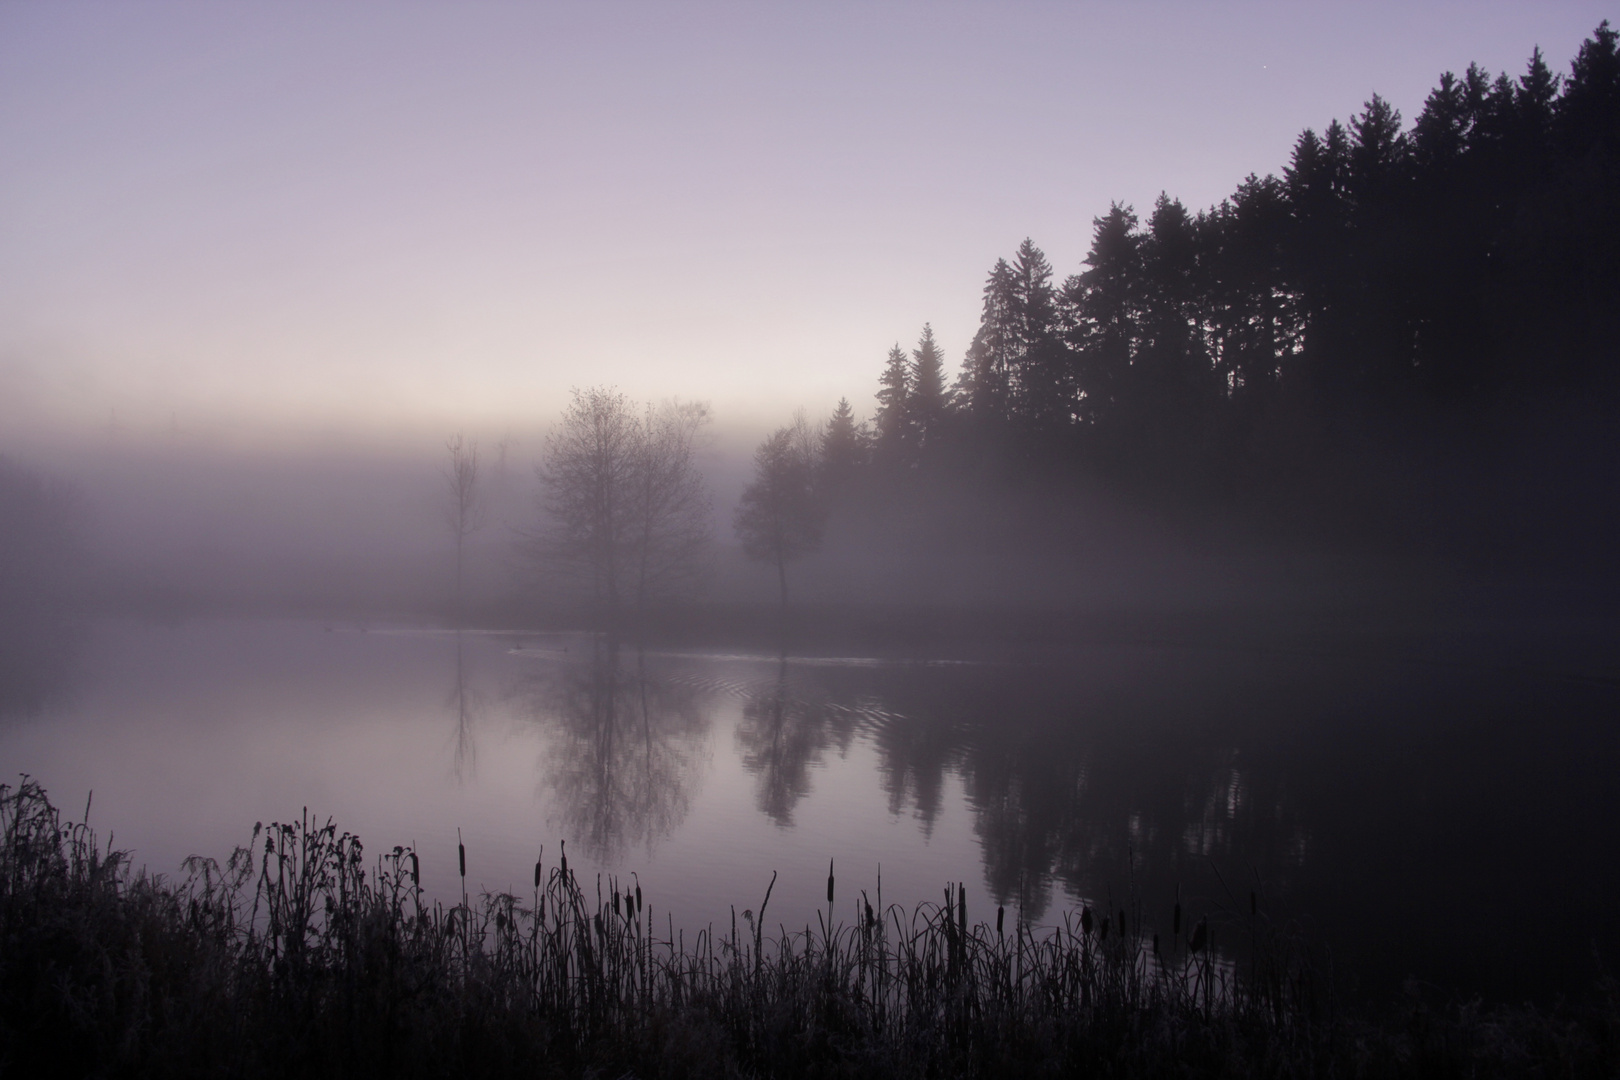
1406,340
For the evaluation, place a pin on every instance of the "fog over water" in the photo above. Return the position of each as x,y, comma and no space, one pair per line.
1396,811
666,435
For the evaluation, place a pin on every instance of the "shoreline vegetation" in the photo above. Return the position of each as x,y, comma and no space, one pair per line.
303,954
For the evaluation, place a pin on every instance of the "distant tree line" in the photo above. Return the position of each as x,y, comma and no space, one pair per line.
1392,282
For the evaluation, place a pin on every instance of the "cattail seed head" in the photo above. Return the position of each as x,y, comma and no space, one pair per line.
615,902
1085,919
416,870
638,899
1102,929
829,881
1001,913
461,852
537,873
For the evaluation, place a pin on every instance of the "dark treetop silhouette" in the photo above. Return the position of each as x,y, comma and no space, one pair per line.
1408,335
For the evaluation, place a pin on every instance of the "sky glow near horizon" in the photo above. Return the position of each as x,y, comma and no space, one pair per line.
382,219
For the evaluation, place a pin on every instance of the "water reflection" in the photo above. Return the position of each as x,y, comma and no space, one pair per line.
465,702
787,724
1435,806
38,651
1078,782
623,749
914,753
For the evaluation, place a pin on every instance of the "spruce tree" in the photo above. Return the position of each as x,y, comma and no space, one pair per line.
895,427
928,395
1041,381
844,446
1106,300
983,386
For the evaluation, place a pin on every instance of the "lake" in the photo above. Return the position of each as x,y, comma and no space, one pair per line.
1412,817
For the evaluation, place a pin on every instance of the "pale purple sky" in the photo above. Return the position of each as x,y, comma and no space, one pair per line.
279,218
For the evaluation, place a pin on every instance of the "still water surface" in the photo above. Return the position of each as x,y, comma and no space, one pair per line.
1452,823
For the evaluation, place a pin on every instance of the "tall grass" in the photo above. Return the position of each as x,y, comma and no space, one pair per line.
302,956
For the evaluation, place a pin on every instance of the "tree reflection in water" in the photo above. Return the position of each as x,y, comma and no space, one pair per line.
787,723
1074,785
623,750
465,704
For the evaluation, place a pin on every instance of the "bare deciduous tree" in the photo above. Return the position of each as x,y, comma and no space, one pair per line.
625,506
781,514
670,510
462,511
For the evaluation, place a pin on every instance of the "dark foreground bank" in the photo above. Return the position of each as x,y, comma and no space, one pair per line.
304,956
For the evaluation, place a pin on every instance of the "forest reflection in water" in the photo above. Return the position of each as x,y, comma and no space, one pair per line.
1402,812
1430,806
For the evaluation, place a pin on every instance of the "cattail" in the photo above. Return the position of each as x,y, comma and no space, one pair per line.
615,903
1200,935
564,846
1001,913
1102,929
461,851
829,881
537,873
1085,919
638,899
600,933
416,870
871,917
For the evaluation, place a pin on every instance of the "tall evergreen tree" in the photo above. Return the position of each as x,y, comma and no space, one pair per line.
1589,111
896,428
1171,367
844,450
984,385
1041,393
1106,302
929,399
1254,315
1535,101
1379,155
1440,135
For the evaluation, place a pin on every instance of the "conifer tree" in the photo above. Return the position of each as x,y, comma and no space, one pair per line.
928,395
896,428
1041,382
983,386
1589,111
1105,300
844,450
